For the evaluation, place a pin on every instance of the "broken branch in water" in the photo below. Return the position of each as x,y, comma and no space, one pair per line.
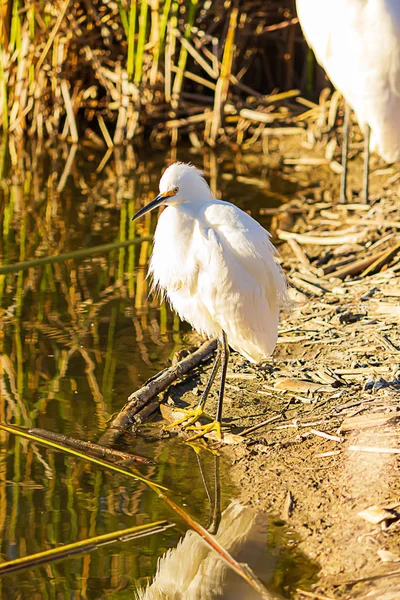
33,437
91,447
139,399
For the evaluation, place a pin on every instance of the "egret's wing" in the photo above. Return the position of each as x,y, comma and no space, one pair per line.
240,282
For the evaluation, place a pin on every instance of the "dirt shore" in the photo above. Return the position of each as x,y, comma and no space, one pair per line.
331,395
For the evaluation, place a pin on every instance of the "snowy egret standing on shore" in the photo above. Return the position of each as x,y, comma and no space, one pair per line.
218,268
357,42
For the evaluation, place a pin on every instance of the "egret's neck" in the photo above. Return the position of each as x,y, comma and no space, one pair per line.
193,207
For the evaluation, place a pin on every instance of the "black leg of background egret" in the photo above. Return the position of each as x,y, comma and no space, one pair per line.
345,154
365,189
193,414
216,425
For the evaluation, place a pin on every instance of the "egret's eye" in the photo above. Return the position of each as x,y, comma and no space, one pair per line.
170,193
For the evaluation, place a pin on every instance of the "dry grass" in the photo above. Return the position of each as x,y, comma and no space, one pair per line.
107,71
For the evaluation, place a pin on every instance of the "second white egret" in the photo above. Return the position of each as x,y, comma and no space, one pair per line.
357,42
218,268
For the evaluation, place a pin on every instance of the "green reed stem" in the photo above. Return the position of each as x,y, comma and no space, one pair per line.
131,250
178,81
310,62
130,65
45,260
122,238
87,545
4,98
164,21
144,9
15,34
124,18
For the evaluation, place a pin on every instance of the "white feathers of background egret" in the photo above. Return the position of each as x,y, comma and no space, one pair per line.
218,268
357,42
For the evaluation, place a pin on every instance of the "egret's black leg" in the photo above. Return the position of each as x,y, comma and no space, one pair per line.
191,415
225,360
345,153
211,379
216,425
365,188
206,488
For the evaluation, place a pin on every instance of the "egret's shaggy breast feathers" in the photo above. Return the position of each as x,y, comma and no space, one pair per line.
217,266
357,42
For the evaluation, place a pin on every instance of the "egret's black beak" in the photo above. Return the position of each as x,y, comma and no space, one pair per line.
160,199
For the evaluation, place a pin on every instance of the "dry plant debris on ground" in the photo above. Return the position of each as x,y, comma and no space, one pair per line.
318,422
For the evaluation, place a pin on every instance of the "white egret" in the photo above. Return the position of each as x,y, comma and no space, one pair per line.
357,42
218,268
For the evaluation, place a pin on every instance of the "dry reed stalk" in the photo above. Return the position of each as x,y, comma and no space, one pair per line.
162,27
70,111
170,52
212,71
104,131
178,81
53,34
221,91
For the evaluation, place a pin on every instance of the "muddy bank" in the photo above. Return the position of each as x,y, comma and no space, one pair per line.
330,396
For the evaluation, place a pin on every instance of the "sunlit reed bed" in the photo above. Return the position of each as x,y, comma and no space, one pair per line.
113,71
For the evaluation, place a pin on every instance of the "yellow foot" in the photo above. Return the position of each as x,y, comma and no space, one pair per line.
191,416
203,429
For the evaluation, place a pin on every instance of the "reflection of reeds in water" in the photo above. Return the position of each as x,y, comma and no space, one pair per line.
56,314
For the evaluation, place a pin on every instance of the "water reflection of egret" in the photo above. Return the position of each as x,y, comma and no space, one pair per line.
193,571
358,44
217,267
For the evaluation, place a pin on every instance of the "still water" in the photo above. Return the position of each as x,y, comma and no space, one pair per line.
76,338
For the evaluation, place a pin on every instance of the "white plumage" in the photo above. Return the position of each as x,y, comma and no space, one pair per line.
218,268
357,42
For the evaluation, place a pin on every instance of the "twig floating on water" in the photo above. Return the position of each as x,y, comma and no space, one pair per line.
82,546
95,449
